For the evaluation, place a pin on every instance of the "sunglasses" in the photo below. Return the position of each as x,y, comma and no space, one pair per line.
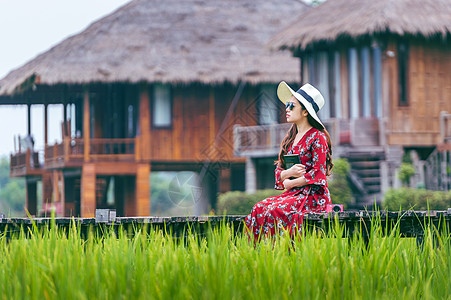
289,105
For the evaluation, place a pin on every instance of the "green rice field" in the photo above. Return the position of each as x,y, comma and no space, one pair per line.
221,264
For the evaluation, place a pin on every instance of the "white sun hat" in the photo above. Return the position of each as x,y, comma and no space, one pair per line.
308,95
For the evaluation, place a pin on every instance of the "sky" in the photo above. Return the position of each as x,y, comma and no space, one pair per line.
27,29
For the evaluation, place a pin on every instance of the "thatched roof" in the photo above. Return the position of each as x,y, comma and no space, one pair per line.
354,18
179,41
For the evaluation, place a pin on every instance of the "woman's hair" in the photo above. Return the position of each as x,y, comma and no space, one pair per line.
289,138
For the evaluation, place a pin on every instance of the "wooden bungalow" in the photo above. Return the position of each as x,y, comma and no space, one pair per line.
385,68
156,85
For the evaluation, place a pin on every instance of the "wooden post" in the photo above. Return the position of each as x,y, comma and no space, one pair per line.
62,194
31,197
46,136
212,121
251,176
144,122
29,119
27,159
86,125
66,144
137,148
56,191
65,120
88,191
143,190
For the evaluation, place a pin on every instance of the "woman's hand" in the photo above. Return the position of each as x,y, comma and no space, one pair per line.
298,170
288,184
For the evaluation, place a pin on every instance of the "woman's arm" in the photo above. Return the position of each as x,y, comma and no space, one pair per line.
291,183
297,170
317,174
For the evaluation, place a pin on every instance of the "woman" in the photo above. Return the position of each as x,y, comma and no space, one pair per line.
305,183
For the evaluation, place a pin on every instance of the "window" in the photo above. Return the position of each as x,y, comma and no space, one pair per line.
268,110
403,60
161,106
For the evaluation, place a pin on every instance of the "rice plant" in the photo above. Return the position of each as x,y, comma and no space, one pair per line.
149,263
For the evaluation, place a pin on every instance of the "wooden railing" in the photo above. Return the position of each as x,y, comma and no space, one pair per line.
261,140
72,151
54,154
112,149
23,163
266,139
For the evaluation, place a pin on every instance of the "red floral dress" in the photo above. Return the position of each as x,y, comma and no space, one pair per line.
287,210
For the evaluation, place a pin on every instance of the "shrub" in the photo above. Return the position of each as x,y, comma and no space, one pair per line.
406,171
416,199
241,203
340,190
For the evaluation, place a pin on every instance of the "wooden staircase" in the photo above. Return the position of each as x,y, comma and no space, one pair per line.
365,175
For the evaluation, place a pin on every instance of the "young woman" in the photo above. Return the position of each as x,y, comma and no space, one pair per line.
305,183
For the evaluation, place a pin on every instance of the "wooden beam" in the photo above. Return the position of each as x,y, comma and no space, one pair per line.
86,124
65,120
29,119
46,134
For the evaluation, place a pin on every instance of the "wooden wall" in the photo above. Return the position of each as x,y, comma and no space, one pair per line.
202,127
429,93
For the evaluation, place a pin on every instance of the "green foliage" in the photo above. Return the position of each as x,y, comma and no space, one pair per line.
221,264
407,158
241,203
406,171
12,191
416,199
340,190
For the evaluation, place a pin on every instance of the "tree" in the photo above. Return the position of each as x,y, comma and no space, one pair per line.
340,190
12,191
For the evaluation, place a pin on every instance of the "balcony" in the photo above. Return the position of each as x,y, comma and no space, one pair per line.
71,153
25,163
265,140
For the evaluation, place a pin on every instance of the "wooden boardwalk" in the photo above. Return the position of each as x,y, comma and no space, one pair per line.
406,223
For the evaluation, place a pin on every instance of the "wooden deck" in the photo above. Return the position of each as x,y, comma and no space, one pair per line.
71,153
406,223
